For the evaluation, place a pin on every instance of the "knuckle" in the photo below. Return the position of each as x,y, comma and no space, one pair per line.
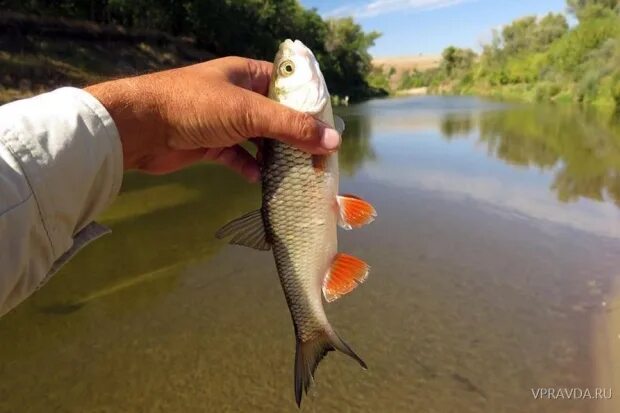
247,119
240,110
306,126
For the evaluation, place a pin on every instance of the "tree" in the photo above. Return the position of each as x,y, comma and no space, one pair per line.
251,28
584,9
519,35
549,29
457,60
347,62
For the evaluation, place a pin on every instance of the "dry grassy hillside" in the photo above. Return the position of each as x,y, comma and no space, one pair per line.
39,54
402,64
405,63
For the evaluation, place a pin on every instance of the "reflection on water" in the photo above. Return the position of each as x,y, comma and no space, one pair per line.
356,145
457,125
583,155
493,259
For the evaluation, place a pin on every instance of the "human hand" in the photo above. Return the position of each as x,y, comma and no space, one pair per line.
171,119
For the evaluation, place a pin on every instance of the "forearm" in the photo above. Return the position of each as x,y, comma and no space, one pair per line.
60,166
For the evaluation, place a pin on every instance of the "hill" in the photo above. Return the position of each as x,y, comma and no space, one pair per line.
392,69
39,54
406,63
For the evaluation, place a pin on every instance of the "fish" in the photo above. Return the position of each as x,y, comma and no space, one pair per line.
299,216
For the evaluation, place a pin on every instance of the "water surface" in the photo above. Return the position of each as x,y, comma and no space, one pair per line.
493,258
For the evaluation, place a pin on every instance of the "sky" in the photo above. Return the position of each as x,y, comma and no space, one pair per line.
412,27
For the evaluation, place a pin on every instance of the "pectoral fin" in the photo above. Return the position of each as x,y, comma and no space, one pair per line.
248,230
345,273
354,212
338,124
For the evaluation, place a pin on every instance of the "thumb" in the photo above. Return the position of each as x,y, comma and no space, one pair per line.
270,119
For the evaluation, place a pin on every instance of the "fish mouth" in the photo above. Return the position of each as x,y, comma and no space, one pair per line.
290,48
300,49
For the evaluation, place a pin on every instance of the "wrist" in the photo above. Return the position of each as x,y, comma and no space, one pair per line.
136,115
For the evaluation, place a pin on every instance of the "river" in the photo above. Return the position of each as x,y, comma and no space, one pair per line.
494,258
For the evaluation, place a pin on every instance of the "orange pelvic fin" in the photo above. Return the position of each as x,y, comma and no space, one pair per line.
345,273
355,212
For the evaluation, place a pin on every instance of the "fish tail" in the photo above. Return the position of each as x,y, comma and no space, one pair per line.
309,354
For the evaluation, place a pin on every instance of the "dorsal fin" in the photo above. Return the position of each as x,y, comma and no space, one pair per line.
247,230
345,273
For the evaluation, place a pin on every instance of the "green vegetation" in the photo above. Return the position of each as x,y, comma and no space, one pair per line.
541,59
380,78
252,28
416,78
388,79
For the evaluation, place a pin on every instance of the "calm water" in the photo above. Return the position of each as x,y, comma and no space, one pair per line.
494,259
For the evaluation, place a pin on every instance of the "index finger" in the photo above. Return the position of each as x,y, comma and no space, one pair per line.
260,75
254,75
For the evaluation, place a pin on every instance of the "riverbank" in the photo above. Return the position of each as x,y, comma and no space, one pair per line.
38,54
416,91
606,336
528,93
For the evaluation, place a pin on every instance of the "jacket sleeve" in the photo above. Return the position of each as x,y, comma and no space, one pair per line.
60,166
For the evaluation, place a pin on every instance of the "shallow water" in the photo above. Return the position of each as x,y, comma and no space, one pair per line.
493,262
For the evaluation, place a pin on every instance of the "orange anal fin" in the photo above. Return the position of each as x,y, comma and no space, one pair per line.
345,273
355,212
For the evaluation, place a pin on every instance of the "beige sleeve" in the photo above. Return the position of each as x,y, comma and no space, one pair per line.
60,166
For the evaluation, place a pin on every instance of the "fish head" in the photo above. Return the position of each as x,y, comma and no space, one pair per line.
297,81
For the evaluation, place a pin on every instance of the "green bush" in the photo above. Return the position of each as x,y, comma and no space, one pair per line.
251,28
541,59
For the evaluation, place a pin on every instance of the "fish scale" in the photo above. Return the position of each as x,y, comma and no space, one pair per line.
294,204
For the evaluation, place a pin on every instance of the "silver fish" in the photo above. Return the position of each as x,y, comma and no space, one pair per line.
300,212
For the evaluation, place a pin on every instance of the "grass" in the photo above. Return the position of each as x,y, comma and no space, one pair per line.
76,54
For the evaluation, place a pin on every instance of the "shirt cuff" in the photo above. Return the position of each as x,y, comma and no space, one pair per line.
70,152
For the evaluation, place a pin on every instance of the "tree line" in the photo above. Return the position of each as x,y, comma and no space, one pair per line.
251,28
539,59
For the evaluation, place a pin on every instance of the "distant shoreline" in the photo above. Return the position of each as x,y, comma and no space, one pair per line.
420,62
416,91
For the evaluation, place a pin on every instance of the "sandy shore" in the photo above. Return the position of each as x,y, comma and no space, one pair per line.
606,347
416,91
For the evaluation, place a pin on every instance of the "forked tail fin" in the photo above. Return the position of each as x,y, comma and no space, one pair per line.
308,355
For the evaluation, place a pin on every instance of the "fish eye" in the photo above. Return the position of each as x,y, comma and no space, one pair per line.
286,68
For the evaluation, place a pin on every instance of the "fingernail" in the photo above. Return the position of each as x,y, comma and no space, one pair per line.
330,139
